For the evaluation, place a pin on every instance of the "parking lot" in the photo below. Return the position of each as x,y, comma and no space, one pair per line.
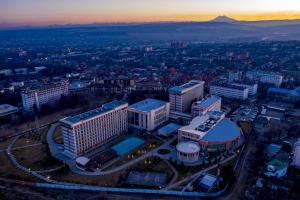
245,113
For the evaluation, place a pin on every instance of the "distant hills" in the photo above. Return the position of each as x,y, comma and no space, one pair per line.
220,29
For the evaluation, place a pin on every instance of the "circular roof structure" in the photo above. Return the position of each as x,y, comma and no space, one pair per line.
225,130
188,147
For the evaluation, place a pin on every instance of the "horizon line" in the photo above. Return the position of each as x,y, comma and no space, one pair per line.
5,25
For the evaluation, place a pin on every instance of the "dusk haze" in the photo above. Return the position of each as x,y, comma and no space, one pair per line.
149,99
20,12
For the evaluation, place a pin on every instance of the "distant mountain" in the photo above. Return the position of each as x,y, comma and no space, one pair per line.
224,19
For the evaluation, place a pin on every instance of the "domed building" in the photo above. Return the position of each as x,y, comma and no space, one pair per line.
188,151
212,132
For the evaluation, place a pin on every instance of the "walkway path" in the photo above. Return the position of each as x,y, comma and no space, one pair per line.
18,165
174,171
193,176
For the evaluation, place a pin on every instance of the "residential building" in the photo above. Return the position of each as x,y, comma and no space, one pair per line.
235,76
181,97
89,130
6,109
296,157
265,77
229,91
286,95
252,87
276,169
212,103
148,114
44,94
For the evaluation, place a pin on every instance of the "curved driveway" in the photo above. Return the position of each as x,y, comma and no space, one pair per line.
56,152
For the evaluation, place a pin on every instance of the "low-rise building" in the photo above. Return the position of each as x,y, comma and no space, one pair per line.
265,77
148,114
276,169
212,103
188,151
286,95
229,91
212,131
252,87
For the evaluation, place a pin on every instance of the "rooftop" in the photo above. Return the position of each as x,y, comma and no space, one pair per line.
188,147
169,128
208,181
43,86
213,129
92,113
278,164
207,102
6,109
294,92
147,105
182,88
273,149
231,86
225,130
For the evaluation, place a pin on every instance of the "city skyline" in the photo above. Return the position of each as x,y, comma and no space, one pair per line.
32,12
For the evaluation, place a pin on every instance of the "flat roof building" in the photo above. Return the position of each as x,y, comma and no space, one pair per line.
229,91
265,77
87,131
6,109
181,97
148,114
38,95
168,129
212,103
286,95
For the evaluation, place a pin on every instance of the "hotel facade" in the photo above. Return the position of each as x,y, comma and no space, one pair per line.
89,130
181,97
44,94
148,114
265,77
229,91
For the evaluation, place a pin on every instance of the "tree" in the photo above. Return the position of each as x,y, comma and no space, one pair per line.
228,174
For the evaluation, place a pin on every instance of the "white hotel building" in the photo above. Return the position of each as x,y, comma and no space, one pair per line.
181,97
89,130
229,91
148,114
264,77
44,94
212,103
252,87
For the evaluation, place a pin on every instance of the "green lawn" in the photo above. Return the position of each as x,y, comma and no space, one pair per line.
58,135
105,180
8,170
32,138
36,157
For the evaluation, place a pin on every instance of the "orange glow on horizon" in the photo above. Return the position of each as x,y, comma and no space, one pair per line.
141,17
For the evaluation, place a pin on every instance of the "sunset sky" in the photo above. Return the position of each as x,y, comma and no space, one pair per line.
43,12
